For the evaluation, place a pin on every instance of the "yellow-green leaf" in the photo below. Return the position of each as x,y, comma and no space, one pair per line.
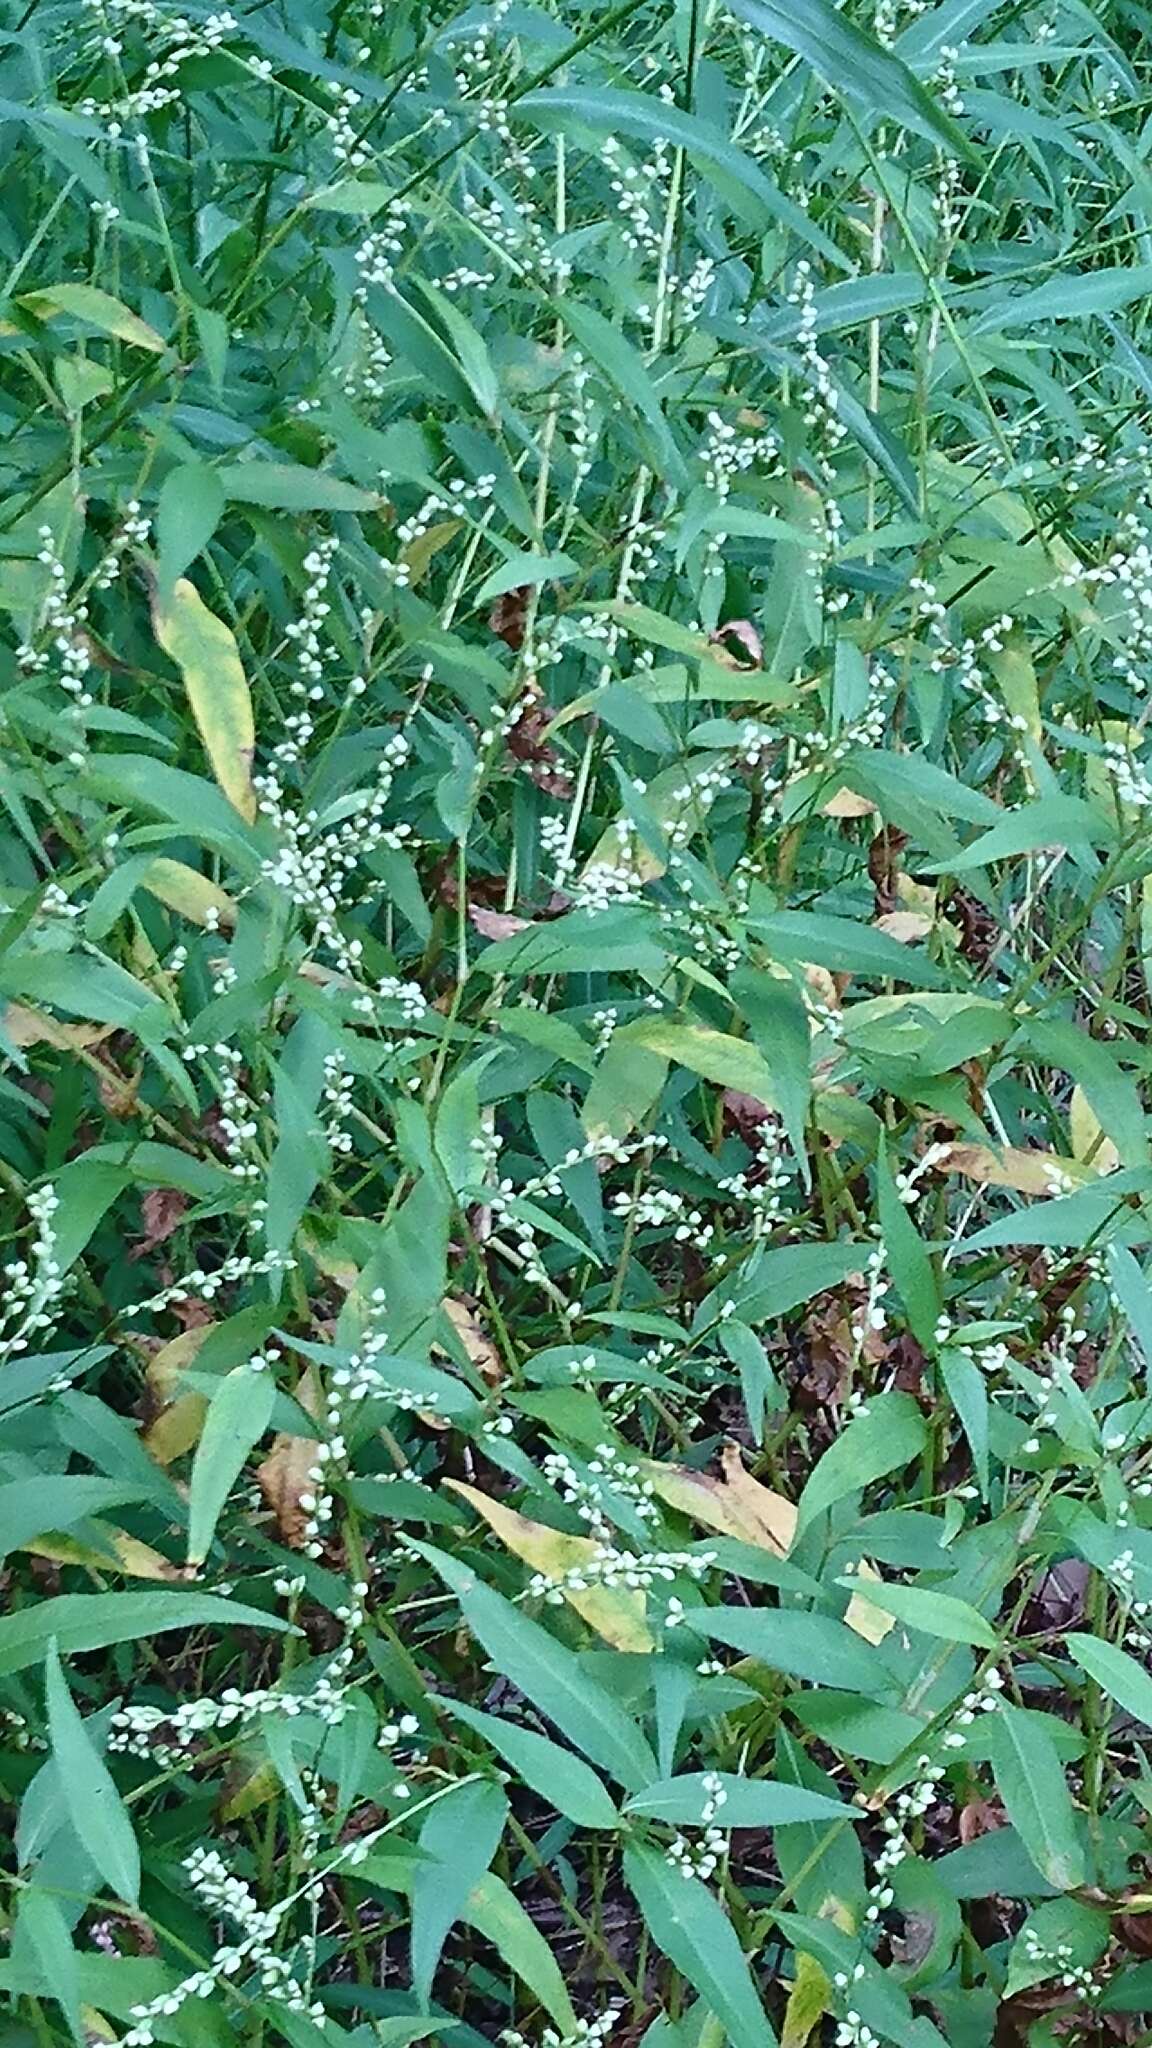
192,894
97,309
807,2002
204,650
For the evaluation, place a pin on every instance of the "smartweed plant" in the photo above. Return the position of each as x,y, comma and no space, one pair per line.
575,632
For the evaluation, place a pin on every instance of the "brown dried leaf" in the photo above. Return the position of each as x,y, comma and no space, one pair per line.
496,924
617,1616
283,1475
844,803
479,1347
884,866
21,1025
163,1210
528,742
823,986
746,1112
906,926
980,1817
868,1621
1135,1931
508,616
746,637
119,1093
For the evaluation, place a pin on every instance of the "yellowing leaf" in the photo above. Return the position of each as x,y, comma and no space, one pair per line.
1089,1145
616,1615
259,1784
716,1055
807,2002
118,1552
205,651
97,309
737,1505
734,1505
1029,1172
907,926
421,551
192,894
1013,670
478,1347
868,1620
180,1417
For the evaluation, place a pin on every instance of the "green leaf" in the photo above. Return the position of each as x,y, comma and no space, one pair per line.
1030,1780
966,1389
469,348
581,942
188,511
416,339
822,1863
1071,296
292,487
205,651
522,570
238,1415
747,1802
907,1259
855,66
94,1805
647,119
554,1773
919,1607
459,1837
805,936
888,1436
625,370
42,1932
812,1647
90,1621
1052,821
776,1017
98,990
781,1279
556,1682
688,1923
1060,1935
1120,1676
29,1507
1112,1094
496,1913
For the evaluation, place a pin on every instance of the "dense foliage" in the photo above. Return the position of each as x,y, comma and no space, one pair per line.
576,598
